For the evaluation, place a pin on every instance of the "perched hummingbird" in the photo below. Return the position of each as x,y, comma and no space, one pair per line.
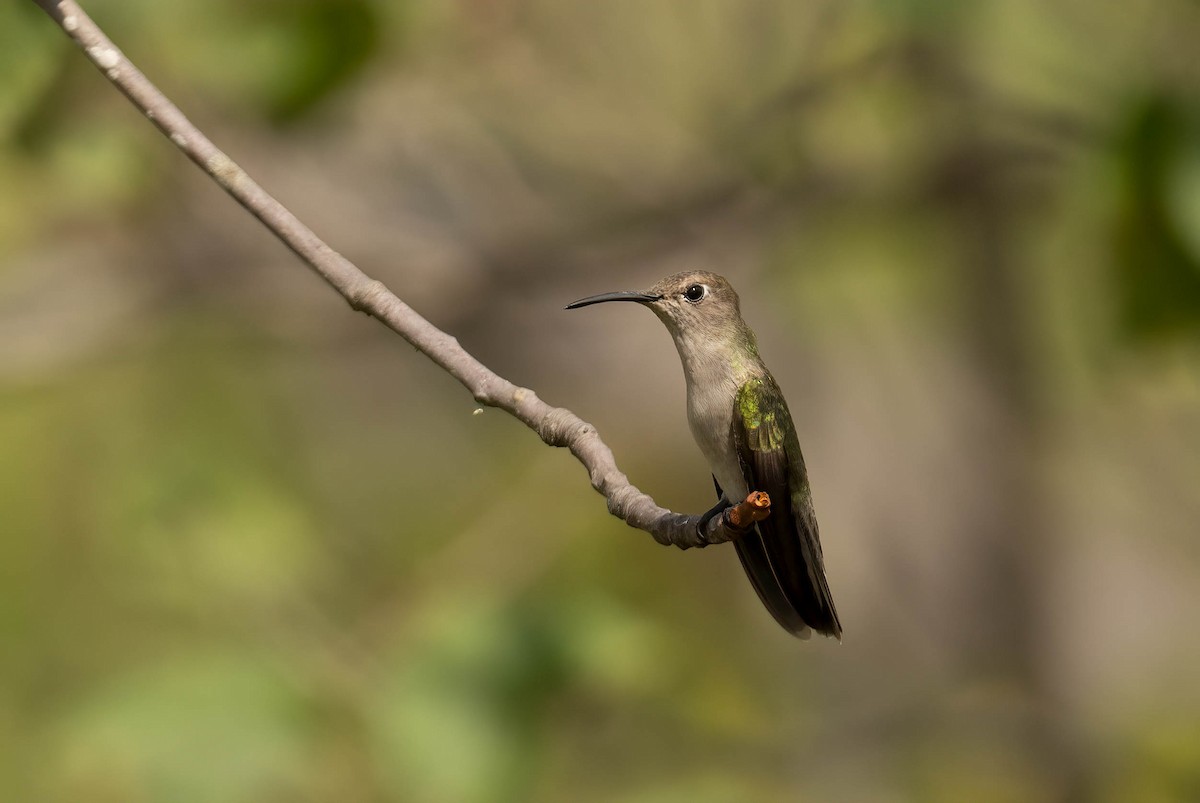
742,425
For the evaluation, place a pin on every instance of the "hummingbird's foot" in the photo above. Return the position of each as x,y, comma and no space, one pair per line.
744,515
702,525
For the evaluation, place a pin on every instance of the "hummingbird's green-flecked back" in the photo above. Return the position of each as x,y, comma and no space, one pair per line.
741,423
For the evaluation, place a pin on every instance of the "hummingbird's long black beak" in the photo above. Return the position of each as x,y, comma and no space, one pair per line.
620,295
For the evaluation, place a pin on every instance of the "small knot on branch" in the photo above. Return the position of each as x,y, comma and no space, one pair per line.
559,427
484,394
363,298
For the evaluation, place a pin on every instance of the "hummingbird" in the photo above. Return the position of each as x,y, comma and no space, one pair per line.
740,421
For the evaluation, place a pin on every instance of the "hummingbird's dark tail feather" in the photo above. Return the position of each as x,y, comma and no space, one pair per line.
754,559
815,583
788,545
790,584
793,552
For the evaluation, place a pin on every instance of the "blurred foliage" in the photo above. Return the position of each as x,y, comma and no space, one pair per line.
253,548
326,44
1156,251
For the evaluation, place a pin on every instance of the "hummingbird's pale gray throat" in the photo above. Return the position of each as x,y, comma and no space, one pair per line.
741,423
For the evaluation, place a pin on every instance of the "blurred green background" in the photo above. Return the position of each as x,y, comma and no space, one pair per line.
253,547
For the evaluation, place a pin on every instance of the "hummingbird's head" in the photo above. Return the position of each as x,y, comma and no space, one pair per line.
694,303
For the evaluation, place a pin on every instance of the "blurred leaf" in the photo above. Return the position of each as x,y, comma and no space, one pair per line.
707,785
324,44
1157,264
32,56
1161,766
461,719
202,727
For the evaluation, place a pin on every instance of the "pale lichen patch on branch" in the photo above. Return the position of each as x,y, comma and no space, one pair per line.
223,169
105,57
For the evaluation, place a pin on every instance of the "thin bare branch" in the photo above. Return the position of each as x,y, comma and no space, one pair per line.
554,425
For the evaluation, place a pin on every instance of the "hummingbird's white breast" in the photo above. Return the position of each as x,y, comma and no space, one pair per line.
713,377
711,421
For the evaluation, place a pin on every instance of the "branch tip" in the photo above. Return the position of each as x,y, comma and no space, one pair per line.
754,508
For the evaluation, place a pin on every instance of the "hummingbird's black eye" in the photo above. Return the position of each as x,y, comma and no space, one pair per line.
695,293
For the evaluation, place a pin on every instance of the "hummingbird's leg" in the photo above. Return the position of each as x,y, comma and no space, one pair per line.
720,507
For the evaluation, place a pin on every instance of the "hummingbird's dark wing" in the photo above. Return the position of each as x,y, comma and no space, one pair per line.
784,561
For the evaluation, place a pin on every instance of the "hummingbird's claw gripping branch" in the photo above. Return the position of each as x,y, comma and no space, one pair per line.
555,426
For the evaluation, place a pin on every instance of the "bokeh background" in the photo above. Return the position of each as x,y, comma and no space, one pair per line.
253,547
